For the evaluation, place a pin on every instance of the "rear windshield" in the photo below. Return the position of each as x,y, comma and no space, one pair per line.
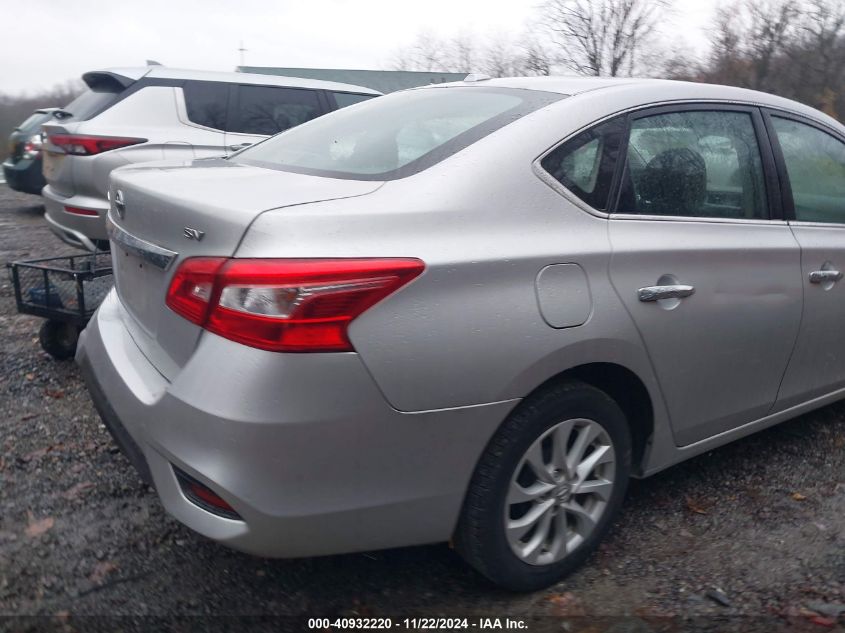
397,135
93,101
33,121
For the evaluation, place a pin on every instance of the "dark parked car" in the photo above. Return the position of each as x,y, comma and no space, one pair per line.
22,168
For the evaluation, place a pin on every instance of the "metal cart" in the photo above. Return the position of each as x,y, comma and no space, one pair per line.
64,290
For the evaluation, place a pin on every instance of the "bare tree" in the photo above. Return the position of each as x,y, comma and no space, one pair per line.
427,53
601,37
820,53
536,58
770,29
15,108
500,56
462,52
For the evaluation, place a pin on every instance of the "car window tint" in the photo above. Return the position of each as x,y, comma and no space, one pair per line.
585,163
267,111
344,99
815,162
696,163
205,102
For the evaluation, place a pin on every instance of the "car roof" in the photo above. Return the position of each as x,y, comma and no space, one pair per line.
645,90
165,72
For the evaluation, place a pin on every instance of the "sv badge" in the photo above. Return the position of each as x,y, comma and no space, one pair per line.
193,234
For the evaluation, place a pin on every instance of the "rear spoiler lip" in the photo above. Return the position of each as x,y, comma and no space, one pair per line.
92,77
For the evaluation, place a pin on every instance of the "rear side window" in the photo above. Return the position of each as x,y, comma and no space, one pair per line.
585,163
694,164
344,99
206,103
265,110
396,135
815,162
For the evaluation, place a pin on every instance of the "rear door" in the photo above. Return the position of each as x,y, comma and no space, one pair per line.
812,158
704,265
256,112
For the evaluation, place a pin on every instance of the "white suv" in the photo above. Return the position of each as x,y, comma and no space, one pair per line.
133,115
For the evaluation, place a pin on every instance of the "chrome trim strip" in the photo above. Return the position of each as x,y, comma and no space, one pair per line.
149,252
692,218
817,225
69,236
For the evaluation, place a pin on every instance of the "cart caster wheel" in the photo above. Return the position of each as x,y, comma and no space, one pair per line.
59,339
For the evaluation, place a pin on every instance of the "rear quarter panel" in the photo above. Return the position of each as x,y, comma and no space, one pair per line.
469,330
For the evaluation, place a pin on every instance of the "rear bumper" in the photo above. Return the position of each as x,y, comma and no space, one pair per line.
77,230
303,446
24,175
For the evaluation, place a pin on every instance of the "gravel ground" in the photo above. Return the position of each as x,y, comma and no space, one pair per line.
751,536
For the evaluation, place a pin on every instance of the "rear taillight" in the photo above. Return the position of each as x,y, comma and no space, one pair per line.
86,145
32,147
285,305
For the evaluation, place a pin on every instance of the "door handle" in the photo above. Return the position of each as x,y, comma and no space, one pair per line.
821,276
239,146
656,293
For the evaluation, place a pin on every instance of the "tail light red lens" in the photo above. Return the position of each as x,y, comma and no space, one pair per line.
203,496
87,145
81,211
285,305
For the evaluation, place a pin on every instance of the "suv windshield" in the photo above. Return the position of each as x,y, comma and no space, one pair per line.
397,135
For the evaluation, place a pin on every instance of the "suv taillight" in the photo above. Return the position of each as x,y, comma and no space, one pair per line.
285,305
87,145
32,147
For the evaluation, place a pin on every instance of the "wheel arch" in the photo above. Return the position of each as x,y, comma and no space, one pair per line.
629,391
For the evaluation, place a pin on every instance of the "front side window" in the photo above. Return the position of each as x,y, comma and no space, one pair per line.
205,103
396,135
265,110
695,164
815,163
585,163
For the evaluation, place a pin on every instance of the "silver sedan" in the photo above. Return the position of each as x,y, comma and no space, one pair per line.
471,312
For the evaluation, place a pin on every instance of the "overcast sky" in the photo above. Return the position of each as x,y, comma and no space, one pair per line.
49,41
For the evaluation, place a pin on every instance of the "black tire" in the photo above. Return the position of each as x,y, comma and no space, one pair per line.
59,339
480,535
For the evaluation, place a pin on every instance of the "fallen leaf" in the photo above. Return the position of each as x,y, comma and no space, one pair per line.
694,506
37,528
101,570
28,416
55,393
797,496
30,376
74,491
566,604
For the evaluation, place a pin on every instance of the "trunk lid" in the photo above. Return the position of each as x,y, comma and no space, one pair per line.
164,213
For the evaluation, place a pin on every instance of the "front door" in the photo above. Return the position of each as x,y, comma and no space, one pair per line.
814,161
